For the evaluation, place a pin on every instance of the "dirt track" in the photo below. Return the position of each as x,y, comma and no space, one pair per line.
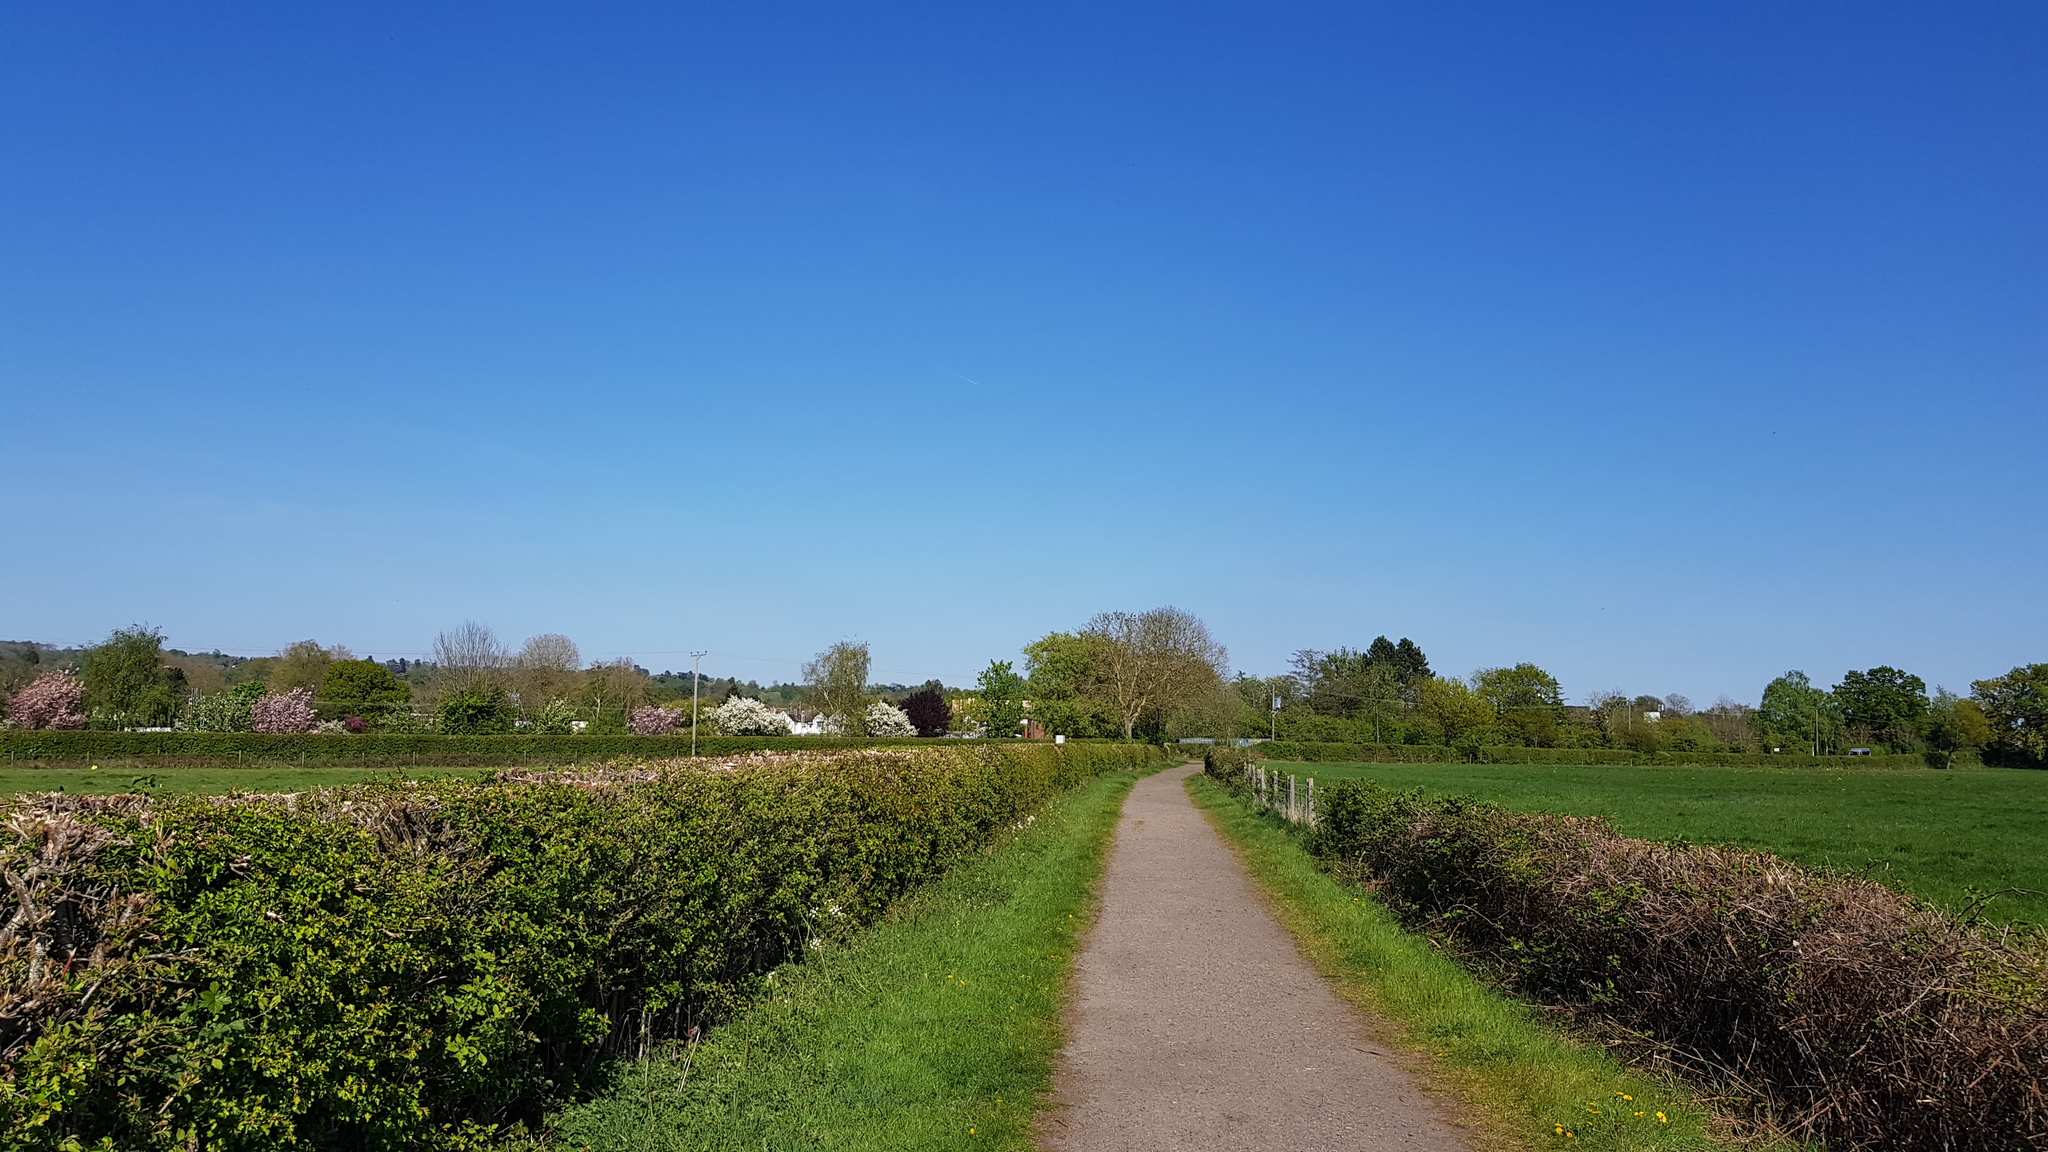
1197,1025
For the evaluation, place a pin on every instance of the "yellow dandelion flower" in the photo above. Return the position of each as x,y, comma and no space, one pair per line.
1662,1118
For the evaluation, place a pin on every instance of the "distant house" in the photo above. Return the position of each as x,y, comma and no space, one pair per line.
815,726
1653,717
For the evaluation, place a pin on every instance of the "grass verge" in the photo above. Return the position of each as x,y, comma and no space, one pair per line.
1525,1085
937,1028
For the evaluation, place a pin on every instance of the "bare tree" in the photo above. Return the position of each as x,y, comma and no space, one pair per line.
1163,661
616,685
548,667
838,681
468,657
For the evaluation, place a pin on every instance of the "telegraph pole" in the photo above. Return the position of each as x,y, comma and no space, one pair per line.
694,658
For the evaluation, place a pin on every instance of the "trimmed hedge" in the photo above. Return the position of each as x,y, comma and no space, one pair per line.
403,749
1867,1018
1517,754
432,966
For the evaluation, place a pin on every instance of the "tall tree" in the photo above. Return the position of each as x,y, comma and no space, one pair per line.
1001,693
837,683
1158,661
1065,674
362,687
126,675
468,658
1797,715
1410,662
928,710
303,665
1449,712
1883,704
2016,707
1526,701
548,667
1955,725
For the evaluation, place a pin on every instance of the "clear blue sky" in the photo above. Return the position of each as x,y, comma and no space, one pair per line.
1667,347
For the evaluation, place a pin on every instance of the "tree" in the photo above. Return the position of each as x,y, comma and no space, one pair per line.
1159,661
283,712
652,721
363,687
2016,707
1065,673
614,688
1449,712
886,719
1525,700
52,700
1002,698
1677,704
126,675
837,683
479,709
928,711
1795,714
742,716
1409,661
1884,705
1953,725
548,667
304,665
468,658
228,710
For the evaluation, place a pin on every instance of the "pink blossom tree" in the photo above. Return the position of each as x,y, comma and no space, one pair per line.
283,712
651,721
52,700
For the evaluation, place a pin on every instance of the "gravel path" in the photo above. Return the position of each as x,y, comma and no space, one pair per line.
1197,1025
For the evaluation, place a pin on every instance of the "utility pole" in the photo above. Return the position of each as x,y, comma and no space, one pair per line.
694,658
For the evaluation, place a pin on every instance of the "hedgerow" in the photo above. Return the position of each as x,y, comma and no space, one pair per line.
430,966
398,749
1314,752
1862,1017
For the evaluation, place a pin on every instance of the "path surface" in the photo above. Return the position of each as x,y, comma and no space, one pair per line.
1197,1025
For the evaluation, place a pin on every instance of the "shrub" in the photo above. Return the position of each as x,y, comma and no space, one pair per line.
1869,1018
354,723
427,966
555,718
476,711
224,711
283,712
741,716
652,721
885,720
54,700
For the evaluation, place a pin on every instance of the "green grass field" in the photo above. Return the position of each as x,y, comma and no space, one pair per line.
1946,836
935,1029
255,778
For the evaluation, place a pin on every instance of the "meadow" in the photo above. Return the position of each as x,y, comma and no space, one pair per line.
1952,837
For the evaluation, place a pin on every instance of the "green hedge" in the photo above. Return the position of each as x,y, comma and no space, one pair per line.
1861,1017
398,749
428,966
1515,754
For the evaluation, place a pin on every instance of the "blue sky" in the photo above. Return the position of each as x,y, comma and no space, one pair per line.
1667,347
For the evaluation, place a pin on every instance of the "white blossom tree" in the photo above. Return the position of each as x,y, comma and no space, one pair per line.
886,719
741,716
